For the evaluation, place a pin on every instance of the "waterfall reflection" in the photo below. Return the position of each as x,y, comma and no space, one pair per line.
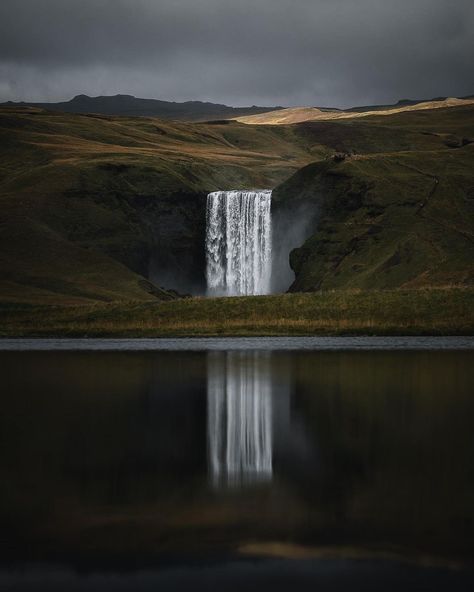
239,399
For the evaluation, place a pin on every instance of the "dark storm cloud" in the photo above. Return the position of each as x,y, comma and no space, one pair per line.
333,52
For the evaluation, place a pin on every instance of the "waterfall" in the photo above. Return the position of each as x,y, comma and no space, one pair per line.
238,242
239,407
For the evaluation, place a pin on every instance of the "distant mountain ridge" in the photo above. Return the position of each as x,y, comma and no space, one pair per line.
128,105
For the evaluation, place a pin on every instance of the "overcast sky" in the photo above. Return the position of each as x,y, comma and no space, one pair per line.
267,52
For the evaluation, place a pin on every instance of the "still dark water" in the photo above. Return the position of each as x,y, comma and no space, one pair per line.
304,469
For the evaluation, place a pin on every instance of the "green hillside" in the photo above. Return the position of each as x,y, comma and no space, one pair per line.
430,311
397,210
101,208
91,206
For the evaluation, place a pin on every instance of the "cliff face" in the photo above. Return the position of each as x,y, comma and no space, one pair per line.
155,231
383,221
103,232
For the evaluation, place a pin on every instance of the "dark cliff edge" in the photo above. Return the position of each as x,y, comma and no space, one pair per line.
158,229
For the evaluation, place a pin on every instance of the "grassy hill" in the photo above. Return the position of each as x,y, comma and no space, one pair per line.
92,207
396,210
101,208
432,311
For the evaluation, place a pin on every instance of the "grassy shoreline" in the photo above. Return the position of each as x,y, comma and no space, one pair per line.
433,311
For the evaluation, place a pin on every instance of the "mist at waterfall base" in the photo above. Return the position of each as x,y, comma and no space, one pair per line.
241,245
291,227
248,242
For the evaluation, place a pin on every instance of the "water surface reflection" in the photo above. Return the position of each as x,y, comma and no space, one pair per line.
239,399
124,459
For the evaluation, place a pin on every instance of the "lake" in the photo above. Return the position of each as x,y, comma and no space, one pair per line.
177,464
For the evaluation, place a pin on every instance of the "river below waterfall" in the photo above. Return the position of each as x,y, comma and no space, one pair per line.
238,467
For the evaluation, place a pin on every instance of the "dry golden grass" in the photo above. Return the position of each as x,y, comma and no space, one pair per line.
386,312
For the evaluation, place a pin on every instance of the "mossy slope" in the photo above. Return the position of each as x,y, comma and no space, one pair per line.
398,218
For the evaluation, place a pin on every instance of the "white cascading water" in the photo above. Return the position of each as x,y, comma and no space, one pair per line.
239,415
238,242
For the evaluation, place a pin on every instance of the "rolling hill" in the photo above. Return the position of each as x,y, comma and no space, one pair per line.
98,208
390,212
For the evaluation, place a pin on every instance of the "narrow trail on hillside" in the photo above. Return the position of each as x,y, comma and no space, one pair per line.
419,211
432,191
